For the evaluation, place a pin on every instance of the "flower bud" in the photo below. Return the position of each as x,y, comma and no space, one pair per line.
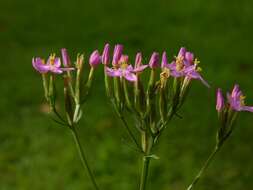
219,101
106,55
117,54
181,52
138,60
164,60
65,58
154,60
189,57
95,59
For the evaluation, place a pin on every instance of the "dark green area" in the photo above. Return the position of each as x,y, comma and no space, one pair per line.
37,154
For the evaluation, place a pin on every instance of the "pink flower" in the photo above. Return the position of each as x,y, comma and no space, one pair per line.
53,65
236,100
125,70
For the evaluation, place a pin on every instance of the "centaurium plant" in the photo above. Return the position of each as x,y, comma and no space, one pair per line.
75,91
150,104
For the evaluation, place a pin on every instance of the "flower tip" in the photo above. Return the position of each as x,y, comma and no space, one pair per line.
138,60
154,60
182,51
65,57
164,60
219,100
106,54
117,54
95,59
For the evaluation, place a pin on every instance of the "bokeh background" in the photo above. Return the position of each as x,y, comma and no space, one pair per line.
37,154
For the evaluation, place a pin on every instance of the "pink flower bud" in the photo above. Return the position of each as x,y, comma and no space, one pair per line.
95,59
219,100
189,57
117,54
138,60
106,55
164,60
182,52
65,58
154,60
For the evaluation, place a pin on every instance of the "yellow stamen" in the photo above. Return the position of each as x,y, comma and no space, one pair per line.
242,99
124,66
196,61
179,63
51,59
165,74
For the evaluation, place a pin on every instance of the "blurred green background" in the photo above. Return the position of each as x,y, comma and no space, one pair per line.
37,154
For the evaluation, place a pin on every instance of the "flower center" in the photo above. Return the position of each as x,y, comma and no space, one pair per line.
51,59
124,66
179,63
196,61
164,76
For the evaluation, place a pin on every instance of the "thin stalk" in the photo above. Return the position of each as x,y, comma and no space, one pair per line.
144,172
203,169
83,157
147,144
130,132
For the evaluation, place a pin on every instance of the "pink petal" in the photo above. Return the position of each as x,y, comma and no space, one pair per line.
247,108
130,76
140,68
113,72
57,62
39,65
56,70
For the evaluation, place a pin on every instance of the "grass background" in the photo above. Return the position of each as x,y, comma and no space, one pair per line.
37,154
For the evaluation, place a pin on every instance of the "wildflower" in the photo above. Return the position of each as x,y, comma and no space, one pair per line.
95,59
236,100
154,60
106,55
186,66
125,70
117,54
53,65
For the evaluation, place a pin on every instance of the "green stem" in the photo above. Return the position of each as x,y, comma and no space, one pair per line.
83,157
144,172
203,169
147,144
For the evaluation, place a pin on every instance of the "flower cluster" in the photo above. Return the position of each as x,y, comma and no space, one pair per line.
154,103
228,111
75,92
